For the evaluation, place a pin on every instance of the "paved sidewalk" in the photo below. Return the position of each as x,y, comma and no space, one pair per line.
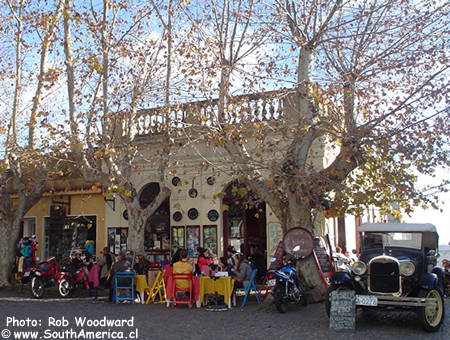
251,322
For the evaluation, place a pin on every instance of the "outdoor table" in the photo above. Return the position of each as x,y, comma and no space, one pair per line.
222,286
140,282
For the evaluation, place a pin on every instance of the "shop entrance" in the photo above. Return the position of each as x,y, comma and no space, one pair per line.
244,225
61,235
157,227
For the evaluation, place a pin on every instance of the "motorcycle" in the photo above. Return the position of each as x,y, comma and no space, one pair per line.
43,276
288,288
69,279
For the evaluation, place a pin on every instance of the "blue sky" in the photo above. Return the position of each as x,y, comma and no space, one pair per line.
440,219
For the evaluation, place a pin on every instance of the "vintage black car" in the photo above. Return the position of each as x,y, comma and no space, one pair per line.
396,268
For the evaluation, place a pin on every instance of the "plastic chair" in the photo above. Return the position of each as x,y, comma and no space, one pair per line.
123,281
189,300
251,286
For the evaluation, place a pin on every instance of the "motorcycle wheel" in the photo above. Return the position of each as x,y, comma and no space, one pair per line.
64,288
280,304
37,287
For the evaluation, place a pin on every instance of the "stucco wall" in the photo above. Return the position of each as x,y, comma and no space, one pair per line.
80,204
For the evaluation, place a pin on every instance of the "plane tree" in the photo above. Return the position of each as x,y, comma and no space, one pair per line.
29,153
366,80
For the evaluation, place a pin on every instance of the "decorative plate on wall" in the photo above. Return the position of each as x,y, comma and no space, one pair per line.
213,215
193,193
210,180
192,213
177,216
125,214
176,180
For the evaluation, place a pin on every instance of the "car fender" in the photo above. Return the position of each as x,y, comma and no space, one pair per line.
439,271
340,278
429,281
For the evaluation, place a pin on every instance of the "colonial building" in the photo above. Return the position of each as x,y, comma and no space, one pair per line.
206,208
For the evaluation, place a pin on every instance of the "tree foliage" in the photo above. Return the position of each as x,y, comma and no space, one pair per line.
366,79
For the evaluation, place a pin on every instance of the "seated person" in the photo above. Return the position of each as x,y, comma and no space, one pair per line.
140,265
183,267
175,257
242,272
222,267
205,259
121,265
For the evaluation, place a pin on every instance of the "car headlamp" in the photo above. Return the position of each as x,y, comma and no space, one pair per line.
359,268
407,268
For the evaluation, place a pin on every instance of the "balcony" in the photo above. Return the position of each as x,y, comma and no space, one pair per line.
257,107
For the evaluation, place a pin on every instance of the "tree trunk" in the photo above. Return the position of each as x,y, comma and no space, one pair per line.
9,232
136,228
300,215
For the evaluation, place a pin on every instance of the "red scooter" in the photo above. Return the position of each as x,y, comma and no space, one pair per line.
44,275
71,278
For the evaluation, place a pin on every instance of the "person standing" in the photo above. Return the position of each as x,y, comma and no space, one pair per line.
105,264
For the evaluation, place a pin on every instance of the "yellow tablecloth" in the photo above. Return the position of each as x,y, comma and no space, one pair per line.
222,286
140,281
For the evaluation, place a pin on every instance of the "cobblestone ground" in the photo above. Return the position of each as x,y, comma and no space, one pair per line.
160,322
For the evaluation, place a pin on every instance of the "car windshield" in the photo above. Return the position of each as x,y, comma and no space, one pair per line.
374,240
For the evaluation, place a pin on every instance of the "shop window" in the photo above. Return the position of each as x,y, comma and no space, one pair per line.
192,239
117,239
189,237
63,235
178,234
210,238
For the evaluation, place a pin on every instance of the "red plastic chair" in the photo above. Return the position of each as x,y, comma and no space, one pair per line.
183,300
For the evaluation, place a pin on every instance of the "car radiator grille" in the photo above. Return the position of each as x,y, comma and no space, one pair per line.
384,277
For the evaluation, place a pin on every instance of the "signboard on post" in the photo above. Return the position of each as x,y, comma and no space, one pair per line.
342,311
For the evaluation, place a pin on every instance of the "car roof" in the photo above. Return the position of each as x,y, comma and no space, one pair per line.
391,227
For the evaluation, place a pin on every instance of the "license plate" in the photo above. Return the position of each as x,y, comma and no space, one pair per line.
26,274
366,300
271,283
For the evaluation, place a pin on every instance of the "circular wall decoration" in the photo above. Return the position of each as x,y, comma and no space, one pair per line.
177,216
176,181
193,193
125,214
213,215
192,213
210,180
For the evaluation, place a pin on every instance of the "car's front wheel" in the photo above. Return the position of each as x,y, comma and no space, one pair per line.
431,316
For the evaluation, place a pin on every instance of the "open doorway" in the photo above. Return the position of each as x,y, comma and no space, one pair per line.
244,225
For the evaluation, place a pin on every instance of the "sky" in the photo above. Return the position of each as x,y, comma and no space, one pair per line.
441,220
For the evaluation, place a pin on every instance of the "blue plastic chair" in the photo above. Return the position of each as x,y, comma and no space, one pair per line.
121,277
251,286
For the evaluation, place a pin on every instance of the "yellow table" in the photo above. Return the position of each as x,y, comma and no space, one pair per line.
140,281
222,286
